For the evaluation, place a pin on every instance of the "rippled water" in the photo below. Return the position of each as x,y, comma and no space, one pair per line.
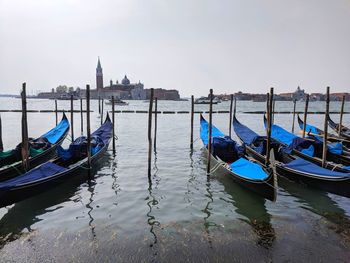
183,215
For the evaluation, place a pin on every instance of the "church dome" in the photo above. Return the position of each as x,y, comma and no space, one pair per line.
125,80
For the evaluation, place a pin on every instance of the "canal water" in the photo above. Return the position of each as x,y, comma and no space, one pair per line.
183,216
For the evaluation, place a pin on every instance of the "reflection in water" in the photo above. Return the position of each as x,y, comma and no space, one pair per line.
252,207
153,202
319,203
206,210
24,214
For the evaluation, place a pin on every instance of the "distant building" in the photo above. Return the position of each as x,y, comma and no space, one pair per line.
299,94
126,89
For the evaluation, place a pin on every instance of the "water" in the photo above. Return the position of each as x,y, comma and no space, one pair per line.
183,216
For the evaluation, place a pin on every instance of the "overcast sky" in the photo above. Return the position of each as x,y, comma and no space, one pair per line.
189,45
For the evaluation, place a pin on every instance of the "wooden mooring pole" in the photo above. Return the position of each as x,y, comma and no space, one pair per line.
102,104
99,104
192,120
25,144
230,121
88,131
81,117
150,134
210,130
294,106
113,120
72,117
341,115
56,114
155,123
269,125
305,113
325,129
1,144
273,111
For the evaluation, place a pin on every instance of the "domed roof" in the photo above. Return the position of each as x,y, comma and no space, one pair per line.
125,80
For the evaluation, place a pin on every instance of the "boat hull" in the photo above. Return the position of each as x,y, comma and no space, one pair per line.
16,194
339,186
266,188
17,169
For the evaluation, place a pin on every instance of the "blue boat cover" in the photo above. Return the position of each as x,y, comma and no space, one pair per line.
309,128
54,135
302,165
247,169
44,171
78,148
204,131
244,133
105,131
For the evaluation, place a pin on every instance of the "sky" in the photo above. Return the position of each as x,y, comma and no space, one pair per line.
188,45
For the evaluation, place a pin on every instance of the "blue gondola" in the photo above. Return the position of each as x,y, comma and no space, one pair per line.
308,149
228,156
337,143
294,168
68,164
41,150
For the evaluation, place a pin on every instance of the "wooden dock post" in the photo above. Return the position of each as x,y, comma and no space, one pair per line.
113,120
269,125
150,134
305,113
71,117
230,122
273,111
102,102
210,130
99,104
56,114
294,106
155,123
341,115
81,117
88,131
325,129
25,143
235,107
1,144
192,120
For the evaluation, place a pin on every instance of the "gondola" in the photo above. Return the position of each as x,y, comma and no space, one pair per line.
319,134
229,159
295,168
345,131
69,163
41,150
308,149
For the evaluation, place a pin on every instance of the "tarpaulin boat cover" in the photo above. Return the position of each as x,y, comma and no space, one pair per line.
309,128
46,170
247,169
78,148
54,135
244,133
204,131
311,168
251,138
334,147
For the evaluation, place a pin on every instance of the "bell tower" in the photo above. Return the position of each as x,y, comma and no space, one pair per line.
99,76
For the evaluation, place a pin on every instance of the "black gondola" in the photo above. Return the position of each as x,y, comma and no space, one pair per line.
68,164
308,149
233,162
41,150
319,134
345,131
294,168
